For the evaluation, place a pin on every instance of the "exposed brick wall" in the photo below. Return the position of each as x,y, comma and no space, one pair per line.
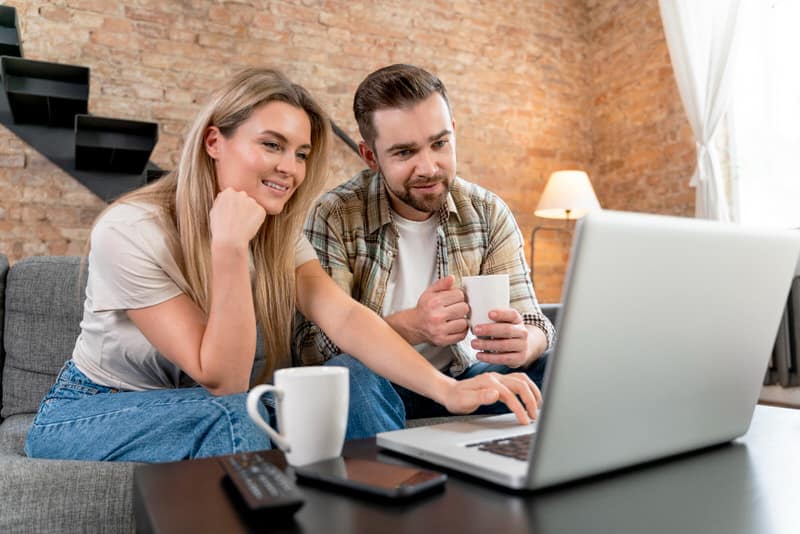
527,80
642,149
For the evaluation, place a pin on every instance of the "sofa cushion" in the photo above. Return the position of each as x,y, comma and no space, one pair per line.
60,495
3,272
43,309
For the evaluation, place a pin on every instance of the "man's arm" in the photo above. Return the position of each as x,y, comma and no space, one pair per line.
323,230
522,332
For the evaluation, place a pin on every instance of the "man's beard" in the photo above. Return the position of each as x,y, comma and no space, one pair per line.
422,202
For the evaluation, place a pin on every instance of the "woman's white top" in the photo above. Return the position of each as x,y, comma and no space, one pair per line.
130,267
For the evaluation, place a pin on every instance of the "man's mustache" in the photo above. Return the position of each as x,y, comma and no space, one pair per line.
425,182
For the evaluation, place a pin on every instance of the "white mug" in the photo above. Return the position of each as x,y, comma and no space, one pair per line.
311,404
485,293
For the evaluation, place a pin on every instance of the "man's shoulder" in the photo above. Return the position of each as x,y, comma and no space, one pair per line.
471,196
353,192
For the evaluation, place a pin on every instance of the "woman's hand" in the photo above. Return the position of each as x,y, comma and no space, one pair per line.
466,396
357,330
235,218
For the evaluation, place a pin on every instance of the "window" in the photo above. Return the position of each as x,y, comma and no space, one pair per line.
764,116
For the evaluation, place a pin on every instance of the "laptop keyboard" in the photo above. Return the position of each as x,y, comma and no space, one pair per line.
514,447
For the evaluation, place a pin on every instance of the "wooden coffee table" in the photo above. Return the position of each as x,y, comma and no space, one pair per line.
751,485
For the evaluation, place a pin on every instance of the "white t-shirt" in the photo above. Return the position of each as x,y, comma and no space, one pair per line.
413,271
131,267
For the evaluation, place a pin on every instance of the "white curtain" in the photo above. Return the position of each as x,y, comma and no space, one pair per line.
701,37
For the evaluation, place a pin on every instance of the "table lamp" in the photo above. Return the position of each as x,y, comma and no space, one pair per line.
568,195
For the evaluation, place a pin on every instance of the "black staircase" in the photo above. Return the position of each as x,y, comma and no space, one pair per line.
46,105
9,33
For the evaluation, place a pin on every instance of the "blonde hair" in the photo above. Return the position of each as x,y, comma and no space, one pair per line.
186,195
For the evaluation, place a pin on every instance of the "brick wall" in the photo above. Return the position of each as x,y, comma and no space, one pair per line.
642,149
536,86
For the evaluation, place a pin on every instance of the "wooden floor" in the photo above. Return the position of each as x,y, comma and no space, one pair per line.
779,396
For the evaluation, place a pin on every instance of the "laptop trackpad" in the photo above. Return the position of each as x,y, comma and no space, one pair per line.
484,428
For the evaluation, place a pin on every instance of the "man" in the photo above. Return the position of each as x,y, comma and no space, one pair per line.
400,235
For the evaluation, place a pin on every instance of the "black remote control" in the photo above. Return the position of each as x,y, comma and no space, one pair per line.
262,486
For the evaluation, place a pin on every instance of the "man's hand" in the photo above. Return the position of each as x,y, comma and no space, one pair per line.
509,339
440,314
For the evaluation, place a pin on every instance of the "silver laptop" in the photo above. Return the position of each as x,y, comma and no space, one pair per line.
664,336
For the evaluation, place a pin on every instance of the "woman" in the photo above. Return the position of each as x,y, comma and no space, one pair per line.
182,271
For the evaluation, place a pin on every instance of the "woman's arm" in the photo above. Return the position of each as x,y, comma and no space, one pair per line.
217,353
360,332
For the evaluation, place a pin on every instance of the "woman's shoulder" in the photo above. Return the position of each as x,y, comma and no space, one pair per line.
131,219
129,213
127,224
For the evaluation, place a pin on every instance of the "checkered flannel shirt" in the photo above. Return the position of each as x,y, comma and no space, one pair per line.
352,231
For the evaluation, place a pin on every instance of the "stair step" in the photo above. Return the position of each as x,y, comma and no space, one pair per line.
46,93
9,32
116,145
153,174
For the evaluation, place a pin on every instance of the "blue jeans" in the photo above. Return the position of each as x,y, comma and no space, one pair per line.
374,403
81,420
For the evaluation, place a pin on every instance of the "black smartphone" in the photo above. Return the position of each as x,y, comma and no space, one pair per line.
371,477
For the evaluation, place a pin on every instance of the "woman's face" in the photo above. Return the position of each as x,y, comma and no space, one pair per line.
266,155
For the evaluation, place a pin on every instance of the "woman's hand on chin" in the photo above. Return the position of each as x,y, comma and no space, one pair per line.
235,218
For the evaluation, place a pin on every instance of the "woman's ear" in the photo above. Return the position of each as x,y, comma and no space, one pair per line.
212,140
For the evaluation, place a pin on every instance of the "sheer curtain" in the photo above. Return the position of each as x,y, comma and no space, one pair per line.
764,117
702,38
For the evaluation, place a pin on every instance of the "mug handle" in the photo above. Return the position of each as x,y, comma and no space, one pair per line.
253,398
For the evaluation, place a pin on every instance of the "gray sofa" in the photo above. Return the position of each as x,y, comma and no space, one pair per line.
40,311
41,303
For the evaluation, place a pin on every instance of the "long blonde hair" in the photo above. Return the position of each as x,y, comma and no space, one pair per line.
185,197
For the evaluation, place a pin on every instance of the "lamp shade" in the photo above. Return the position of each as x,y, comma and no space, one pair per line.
567,195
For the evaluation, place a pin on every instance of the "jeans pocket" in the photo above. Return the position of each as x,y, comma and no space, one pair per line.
79,388
71,391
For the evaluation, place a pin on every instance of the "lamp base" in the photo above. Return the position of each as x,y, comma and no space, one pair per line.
565,229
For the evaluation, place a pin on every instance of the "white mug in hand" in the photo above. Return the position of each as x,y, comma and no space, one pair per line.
485,293
311,404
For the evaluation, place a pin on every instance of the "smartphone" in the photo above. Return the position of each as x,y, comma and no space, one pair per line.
371,477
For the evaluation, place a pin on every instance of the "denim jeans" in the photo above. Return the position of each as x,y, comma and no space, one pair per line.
374,403
418,406
81,420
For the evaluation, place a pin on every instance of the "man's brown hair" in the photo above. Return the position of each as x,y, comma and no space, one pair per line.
395,86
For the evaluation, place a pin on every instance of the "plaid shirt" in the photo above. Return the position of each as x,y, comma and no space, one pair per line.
352,231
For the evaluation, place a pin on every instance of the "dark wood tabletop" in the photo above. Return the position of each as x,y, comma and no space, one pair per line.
749,486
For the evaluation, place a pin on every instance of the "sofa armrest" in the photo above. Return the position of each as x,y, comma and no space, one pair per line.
551,311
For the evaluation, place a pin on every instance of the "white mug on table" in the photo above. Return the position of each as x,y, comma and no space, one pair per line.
311,405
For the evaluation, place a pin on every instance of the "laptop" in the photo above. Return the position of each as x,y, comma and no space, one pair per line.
665,332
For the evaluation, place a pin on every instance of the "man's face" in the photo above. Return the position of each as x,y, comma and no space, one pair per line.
415,150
